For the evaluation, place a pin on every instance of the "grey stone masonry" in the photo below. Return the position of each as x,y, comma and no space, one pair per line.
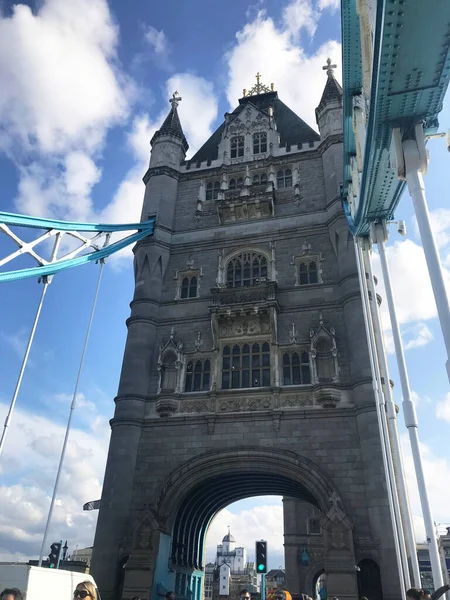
246,368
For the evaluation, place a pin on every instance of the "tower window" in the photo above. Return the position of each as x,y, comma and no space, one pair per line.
284,179
237,146
296,370
246,269
245,366
232,185
259,178
307,272
314,526
212,190
189,287
197,376
259,143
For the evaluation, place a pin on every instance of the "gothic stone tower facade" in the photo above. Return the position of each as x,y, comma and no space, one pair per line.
246,369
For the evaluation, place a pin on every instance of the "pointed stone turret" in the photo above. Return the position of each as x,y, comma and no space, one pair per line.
172,126
169,147
329,111
169,144
329,119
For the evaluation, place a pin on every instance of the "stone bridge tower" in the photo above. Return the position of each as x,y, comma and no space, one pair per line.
246,369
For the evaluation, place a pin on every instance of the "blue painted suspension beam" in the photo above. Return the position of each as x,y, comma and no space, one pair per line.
51,268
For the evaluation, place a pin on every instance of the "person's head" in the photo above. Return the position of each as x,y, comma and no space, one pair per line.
426,594
414,594
363,598
170,596
85,590
245,595
11,594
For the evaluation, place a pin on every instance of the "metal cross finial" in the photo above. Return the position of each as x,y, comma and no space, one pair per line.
329,68
175,100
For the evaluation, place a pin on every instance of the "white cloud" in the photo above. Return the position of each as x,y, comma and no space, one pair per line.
331,4
413,293
17,341
61,91
299,15
419,335
248,525
31,455
443,409
437,474
157,40
298,76
440,224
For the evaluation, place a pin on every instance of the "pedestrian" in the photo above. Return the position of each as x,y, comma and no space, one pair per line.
245,595
170,596
11,594
85,589
414,594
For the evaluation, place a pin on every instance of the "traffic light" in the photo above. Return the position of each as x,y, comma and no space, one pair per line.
261,557
53,557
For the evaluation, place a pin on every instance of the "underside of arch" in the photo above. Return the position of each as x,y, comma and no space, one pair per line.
196,492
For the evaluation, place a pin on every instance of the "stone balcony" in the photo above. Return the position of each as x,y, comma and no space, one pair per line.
230,301
246,203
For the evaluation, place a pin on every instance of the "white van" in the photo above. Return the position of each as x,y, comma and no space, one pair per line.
37,583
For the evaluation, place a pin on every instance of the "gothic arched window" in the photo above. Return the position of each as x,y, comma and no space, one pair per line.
259,178
246,365
284,179
232,185
246,269
212,190
198,374
189,287
259,143
169,373
325,361
237,146
307,272
296,369
240,182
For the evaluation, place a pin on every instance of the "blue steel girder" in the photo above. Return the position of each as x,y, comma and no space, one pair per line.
352,77
97,247
410,76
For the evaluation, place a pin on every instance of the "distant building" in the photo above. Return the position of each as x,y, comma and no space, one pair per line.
423,556
230,572
227,553
83,554
275,578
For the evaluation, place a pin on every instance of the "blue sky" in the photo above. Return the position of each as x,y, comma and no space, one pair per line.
87,84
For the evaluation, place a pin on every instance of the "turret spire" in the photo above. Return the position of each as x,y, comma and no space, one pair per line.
329,68
172,124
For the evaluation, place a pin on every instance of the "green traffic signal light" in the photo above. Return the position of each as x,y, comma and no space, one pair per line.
260,567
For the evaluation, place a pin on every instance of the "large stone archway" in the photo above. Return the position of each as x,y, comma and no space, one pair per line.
169,536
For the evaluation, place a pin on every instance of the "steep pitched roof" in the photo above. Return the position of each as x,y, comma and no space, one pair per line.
332,91
172,126
291,128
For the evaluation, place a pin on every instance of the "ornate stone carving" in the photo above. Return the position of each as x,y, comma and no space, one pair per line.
245,404
144,531
166,406
296,400
194,406
293,335
325,368
198,341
